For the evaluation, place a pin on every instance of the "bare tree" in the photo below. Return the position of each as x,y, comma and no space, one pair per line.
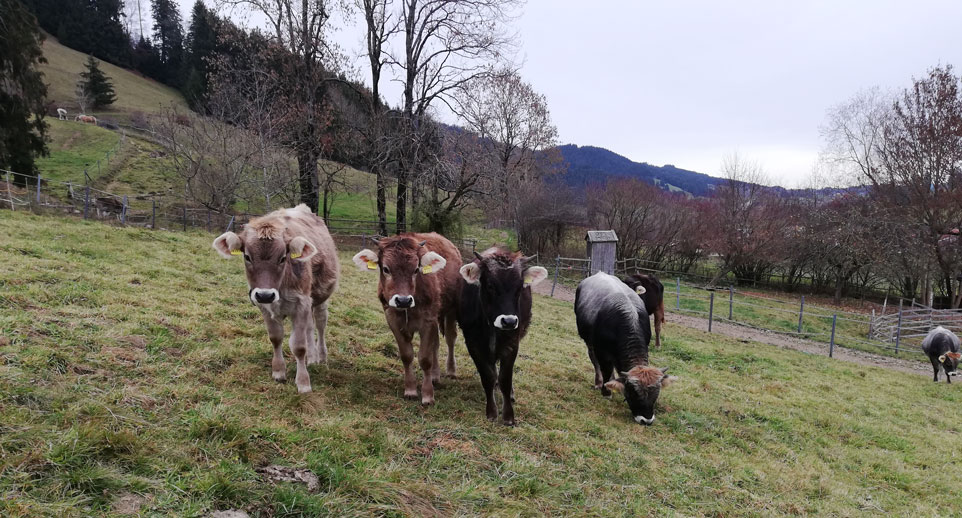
84,97
446,44
853,134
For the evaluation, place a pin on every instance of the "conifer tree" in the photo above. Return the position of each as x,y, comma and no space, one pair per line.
96,84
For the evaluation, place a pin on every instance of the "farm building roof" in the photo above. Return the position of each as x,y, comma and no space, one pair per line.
601,236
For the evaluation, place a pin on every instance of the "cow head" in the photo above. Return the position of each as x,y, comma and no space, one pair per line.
950,362
267,256
401,261
641,387
501,277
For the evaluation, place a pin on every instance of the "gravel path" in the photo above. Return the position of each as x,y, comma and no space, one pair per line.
748,334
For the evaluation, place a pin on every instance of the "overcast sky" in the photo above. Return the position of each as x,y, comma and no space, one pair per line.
685,82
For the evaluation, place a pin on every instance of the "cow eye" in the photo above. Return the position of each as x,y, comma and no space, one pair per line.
281,259
247,258
386,270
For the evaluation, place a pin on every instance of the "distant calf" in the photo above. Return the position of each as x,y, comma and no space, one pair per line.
652,293
292,270
419,289
86,118
494,316
942,347
614,324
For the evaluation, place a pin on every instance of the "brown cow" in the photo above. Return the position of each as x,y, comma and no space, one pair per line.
419,289
292,270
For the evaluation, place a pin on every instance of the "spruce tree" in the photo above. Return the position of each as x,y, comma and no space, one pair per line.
22,90
201,44
169,38
96,84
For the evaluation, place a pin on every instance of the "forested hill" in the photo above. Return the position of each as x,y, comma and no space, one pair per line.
593,165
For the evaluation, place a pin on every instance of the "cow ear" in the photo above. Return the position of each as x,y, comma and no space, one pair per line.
471,273
228,245
365,260
942,359
668,380
301,249
639,289
534,275
954,356
618,385
432,262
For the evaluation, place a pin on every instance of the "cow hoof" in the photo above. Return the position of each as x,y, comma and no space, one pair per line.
451,374
410,395
427,402
509,422
304,389
279,377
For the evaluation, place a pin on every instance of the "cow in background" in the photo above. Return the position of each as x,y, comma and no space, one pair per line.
942,348
652,293
419,289
292,270
494,316
613,322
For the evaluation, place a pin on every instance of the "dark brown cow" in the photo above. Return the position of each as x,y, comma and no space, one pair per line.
419,289
652,293
292,270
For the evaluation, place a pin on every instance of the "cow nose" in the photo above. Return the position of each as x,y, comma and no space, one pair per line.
264,297
506,322
404,301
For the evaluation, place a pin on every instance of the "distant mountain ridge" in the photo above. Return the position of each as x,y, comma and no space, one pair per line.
589,165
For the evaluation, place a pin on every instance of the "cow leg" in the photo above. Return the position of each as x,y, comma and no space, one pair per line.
594,361
436,365
320,324
275,331
507,356
935,369
450,336
301,342
485,364
607,367
405,349
659,320
427,358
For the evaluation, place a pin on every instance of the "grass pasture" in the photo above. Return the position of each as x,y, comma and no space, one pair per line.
133,370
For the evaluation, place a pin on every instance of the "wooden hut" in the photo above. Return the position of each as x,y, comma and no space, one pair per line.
602,246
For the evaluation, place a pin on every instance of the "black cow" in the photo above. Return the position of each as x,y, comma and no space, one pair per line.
614,324
942,348
494,315
652,293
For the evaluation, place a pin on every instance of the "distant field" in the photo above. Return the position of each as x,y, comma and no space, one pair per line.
133,369
134,92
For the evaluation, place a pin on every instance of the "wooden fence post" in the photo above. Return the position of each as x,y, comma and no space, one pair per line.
731,300
185,216
898,331
711,309
557,266
801,313
678,293
123,212
86,200
38,189
153,213
230,223
831,343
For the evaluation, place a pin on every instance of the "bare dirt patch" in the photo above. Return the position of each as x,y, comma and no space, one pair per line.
275,474
748,334
128,504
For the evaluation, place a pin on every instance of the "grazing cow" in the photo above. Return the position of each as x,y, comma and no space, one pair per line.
292,270
652,293
86,119
494,316
942,347
419,289
614,324
62,114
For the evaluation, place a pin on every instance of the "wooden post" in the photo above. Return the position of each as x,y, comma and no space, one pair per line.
557,266
831,343
185,216
153,213
731,300
871,324
801,312
38,189
678,293
123,212
10,192
711,309
898,331
86,200
230,223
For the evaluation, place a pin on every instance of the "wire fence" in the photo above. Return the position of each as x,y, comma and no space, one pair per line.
896,334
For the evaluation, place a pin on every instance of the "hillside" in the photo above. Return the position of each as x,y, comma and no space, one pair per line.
134,377
593,165
134,92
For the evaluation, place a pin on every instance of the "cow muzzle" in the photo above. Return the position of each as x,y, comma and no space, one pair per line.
262,296
401,301
644,420
506,322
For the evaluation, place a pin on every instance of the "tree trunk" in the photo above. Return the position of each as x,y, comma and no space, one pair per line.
381,202
307,176
401,203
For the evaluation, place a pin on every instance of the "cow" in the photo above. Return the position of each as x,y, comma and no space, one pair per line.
419,288
86,119
494,315
292,271
942,348
652,293
62,114
613,322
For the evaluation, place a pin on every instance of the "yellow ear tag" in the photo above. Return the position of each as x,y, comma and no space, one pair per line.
427,269
371,265
236,252
295,255
527,281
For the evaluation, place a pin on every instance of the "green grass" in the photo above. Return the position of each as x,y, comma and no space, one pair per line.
131,363
134,92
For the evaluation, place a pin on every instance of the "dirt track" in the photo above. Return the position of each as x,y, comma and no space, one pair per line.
766,337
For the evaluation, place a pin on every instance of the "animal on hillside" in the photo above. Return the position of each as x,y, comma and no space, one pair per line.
613,322
86,119
62,114
652,293
942,348
419,288
292,270
494,315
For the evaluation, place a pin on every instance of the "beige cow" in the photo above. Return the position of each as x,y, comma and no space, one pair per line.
292,270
